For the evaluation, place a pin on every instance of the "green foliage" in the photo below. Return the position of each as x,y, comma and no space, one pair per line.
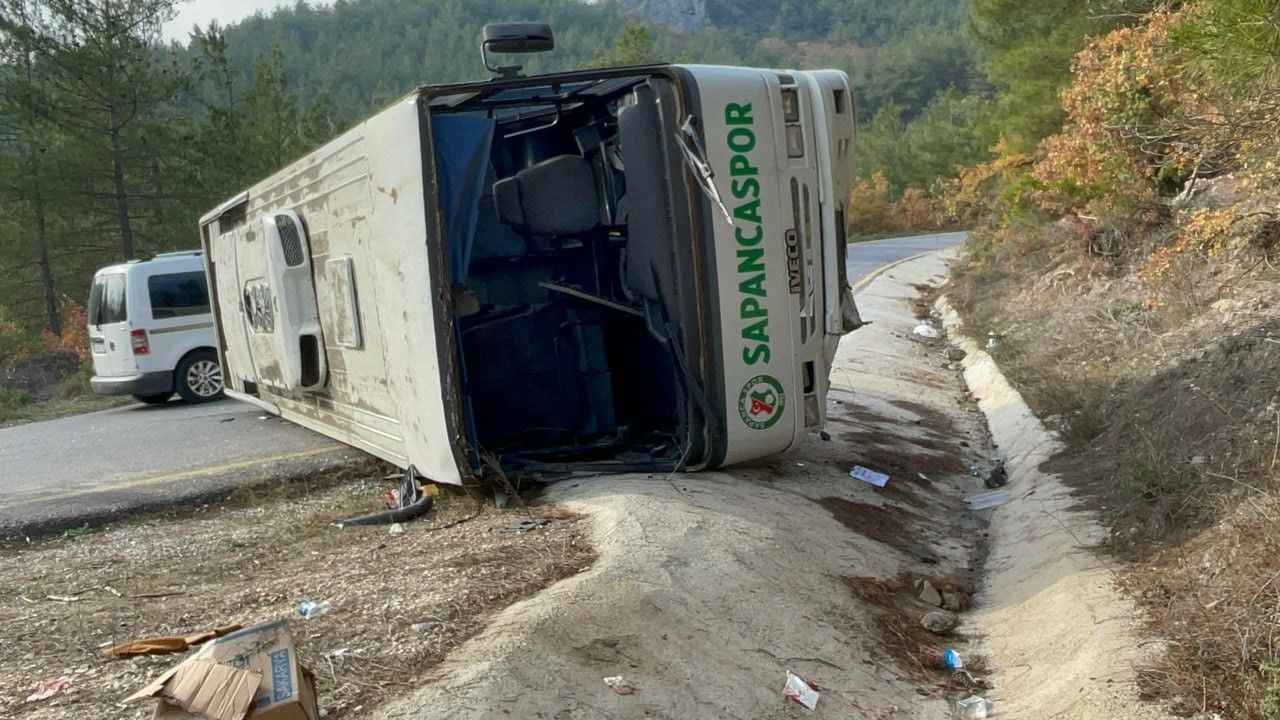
1026,47
112,143
13,398
110,146
1234,44
1270,703
633,46
947,135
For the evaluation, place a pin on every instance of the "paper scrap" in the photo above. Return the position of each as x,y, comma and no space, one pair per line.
800,692
870,477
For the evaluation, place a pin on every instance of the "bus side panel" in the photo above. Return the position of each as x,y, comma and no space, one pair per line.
360,198
413,288
755,305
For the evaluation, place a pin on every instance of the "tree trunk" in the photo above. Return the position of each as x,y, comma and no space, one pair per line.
50,294
117,179
53,319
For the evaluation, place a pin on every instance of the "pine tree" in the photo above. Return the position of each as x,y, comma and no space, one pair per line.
108,87
28,153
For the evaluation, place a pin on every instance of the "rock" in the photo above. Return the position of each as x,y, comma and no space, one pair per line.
999,477
955,354
954,600
939,622
1228,309
826,436
678,14
923,554
928,594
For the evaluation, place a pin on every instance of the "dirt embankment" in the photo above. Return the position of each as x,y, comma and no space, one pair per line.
1170,417
711,587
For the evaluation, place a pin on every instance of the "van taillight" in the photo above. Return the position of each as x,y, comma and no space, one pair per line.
138,339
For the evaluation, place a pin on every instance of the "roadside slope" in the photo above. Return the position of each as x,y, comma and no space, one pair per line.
711,586
1061,637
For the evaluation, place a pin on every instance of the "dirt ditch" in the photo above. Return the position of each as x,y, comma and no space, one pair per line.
397,604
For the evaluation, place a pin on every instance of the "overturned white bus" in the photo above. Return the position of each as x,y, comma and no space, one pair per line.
633,268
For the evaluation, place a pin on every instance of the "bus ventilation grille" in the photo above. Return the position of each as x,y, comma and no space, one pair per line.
290,240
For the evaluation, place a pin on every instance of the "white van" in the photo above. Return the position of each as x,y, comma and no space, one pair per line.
634,268
151,331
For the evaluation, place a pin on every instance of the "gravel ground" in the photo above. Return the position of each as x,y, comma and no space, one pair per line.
398,603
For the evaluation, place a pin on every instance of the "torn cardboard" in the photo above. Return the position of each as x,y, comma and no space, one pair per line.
253,673
166,644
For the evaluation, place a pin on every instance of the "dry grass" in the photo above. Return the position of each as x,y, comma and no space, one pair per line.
15,413
1217,598
398,603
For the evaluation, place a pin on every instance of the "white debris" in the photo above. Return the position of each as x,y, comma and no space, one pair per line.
982,501
800,692
868,476
925,330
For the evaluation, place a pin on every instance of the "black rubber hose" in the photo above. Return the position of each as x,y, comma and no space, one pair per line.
394,515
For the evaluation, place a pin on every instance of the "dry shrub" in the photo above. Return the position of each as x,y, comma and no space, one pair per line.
916,210
1217,597
74,337
1207,239
870,206
875,209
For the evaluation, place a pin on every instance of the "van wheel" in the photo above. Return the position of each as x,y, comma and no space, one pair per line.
157,399
199,377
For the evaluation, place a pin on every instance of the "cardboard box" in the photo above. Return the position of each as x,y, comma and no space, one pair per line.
253,673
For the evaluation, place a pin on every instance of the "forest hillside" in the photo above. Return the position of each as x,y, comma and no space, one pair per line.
1124,261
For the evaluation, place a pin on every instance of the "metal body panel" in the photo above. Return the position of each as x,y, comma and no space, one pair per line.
777,294
362,202
756,310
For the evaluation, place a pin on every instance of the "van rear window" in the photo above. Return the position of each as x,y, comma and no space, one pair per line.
107,301
178,295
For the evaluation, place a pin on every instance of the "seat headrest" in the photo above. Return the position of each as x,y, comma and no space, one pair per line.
554,197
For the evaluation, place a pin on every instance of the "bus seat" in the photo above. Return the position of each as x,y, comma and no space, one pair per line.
554,197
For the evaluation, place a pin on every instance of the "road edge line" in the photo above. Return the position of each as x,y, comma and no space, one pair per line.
867,279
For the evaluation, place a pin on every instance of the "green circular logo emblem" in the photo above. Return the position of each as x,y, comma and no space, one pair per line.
761,402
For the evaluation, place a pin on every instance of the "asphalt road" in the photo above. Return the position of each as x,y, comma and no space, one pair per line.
865,257
104,465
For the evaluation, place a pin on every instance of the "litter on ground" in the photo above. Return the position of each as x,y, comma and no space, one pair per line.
524,525
620,685
868,476
999,477
165,644
925,330
255,669
983,501
48,689
800,692
310,608
972,708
